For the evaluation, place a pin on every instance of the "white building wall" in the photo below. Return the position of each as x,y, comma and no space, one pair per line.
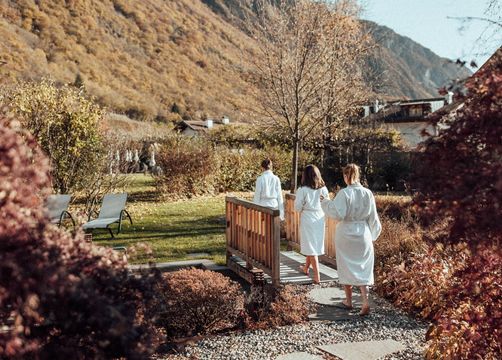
411,132
436,105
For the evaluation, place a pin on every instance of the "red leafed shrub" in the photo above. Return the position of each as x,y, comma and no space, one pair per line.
460,173
188,167
470,327
420,283
198,302
60,297
269,307
460,179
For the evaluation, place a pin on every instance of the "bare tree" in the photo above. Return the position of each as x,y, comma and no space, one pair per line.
307,72
491,35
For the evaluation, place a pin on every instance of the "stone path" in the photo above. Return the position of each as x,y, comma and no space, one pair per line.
332,333
299,356
388,329
363,350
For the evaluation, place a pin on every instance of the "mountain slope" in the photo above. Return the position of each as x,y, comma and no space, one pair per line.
142,57
408,68
138,57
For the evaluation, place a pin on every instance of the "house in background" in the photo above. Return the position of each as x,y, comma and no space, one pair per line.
199,127
408,117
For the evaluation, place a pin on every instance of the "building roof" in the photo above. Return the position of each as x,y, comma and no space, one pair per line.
196,125
201,125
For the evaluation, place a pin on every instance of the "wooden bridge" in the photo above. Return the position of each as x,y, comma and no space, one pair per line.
253,236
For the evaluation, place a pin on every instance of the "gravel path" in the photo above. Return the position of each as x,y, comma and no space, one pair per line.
385,322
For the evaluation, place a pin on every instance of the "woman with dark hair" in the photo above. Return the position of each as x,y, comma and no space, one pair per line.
308,203
359,226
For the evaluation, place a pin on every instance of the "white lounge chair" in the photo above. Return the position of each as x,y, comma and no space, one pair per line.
112,211
57,208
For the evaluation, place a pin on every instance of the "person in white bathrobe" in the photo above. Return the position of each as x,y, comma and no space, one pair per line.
268,190
308,204
359,226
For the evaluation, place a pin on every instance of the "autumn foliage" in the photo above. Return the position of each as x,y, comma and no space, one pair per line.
198,302
66,125
470,325
268,307
458,282
60,297
460,173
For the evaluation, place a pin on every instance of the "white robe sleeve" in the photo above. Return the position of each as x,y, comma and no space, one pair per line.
299,200
280,201
257,191
336,208
374,221
325,193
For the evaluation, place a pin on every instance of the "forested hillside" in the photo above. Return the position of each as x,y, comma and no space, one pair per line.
166,59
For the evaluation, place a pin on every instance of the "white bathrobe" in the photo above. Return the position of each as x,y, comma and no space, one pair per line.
268,192
358,228
308,204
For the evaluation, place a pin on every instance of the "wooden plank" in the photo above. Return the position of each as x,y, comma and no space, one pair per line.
252,205
255,263
276,252
268,249
328,260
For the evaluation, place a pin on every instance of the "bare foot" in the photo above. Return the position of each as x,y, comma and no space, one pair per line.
304,270
365,310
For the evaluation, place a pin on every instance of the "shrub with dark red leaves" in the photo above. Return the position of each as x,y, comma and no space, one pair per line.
460,179
460,173
60,297
194,302
268,307
470,327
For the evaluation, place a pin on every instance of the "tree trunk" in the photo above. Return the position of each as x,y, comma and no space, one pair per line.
294,170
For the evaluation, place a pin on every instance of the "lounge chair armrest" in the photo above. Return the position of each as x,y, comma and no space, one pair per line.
127,214
66,213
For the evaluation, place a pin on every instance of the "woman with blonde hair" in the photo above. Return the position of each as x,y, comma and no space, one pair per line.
359,226
308,204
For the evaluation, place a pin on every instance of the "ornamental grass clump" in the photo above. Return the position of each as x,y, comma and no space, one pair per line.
198,302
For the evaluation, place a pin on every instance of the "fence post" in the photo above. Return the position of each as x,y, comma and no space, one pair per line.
276,251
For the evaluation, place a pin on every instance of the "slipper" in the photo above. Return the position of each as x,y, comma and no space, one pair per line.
342,305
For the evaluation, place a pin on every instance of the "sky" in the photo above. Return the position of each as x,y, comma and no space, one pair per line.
427,22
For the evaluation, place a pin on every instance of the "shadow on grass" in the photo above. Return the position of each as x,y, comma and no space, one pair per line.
208,226
144,196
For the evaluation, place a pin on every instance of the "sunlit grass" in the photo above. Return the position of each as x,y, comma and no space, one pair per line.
172,229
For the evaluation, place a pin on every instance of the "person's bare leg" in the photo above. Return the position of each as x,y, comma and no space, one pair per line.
315,267
365,309
348,295
307,265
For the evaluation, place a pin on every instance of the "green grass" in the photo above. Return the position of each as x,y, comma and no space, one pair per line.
172,229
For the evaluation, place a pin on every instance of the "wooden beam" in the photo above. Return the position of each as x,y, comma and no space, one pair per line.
252,205
253,262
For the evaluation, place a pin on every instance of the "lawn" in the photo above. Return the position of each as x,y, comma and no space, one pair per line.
172,229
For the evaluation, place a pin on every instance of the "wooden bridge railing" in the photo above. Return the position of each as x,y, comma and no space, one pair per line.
293,231
253,234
